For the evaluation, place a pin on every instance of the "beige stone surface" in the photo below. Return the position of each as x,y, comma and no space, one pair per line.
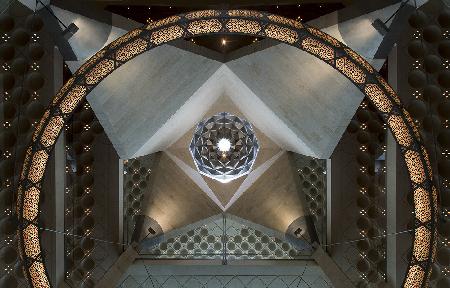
173,199
273,200
224,191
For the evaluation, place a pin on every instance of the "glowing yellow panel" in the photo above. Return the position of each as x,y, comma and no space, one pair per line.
243,26
162,22
415,167
350,70
379,99
204,26
100,71
422,240
131,49
415,277
422,205
166,34
281,33
72,99
37,168
317,48
51,131
400,130
31,204
31,241
38,276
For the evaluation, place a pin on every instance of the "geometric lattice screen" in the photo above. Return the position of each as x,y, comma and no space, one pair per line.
228,238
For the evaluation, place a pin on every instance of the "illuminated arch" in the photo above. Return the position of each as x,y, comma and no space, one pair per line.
245,22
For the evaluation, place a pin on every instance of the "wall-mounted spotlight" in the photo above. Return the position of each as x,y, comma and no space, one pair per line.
381,26
68,31
298,232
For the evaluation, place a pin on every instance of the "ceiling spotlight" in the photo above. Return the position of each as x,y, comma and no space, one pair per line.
381,26
298,232
69,31
224,42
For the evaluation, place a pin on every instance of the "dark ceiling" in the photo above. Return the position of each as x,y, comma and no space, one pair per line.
302,12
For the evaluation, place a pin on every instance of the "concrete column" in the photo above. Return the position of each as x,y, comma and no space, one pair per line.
391,186
113,276
328,201
60,177
120,201
331,269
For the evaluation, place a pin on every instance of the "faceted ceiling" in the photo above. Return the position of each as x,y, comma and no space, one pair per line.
151,105
275,85
179,185
169,89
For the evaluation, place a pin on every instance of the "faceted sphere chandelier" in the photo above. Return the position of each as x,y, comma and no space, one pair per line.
224,147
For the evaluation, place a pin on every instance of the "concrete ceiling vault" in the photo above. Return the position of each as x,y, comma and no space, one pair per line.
137,99
269,191
172,194
273,199
224,194
151,101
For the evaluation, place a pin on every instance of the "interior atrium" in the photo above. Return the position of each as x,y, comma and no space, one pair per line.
224,144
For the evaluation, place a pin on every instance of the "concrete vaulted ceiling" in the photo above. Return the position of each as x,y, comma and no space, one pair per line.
224,194
148,103
151,101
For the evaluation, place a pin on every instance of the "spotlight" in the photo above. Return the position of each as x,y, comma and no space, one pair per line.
380,26
69,31
224,42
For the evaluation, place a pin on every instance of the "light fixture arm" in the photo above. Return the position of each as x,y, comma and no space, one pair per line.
396,12
51,13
